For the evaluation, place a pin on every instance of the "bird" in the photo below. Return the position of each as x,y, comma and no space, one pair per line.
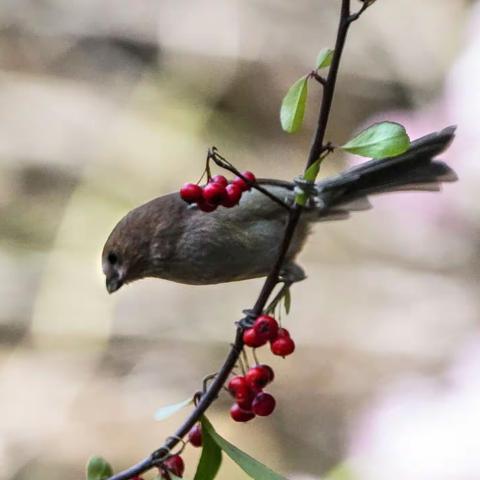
167,238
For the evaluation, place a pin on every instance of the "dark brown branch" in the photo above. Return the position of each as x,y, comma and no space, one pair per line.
316,149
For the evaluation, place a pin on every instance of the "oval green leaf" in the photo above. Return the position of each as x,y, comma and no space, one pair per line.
324,58
98,469
248,464
385,139
211,457
169,410
293,106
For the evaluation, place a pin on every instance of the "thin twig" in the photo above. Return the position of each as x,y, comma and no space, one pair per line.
315,75
224,163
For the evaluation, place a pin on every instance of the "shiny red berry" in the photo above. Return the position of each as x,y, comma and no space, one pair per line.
238,387
214,193
270,372
233,195
283,333
253,339
220,179
175,465
266,326
282,346
191,193
240,415
206,206
263,404
195,435
258,377
241,183
245,401
249,176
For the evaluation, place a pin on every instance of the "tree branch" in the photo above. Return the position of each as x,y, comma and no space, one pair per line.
317,148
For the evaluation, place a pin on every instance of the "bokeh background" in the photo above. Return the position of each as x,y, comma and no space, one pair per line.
105,104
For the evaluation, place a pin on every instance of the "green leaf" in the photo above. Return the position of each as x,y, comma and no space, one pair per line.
287,299
293,106
386,139
301,199
248,464
324,58
98,469
211,457
169,410
312,171
341,472
310,175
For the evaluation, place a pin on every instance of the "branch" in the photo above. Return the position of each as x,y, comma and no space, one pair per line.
317,148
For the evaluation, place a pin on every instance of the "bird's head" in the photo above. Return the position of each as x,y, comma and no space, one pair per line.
125,253
143,242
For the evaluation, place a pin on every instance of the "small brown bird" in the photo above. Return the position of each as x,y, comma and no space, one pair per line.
166,238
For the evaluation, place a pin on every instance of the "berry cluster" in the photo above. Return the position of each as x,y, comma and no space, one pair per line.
250,399
218,191
247,390
266,329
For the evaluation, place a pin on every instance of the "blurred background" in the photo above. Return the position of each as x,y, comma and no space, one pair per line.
106,104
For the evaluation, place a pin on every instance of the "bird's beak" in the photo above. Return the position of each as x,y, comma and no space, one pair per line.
113,283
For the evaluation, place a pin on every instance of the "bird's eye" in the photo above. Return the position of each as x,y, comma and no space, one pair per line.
112,258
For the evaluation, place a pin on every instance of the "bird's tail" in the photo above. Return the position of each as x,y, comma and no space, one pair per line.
416,169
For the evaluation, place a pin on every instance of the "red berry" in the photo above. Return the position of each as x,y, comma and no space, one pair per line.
220,179
253,339
214,193
206,206
175,465
263,405
283,333
270,372
258,377
234,193
191,193
282,346
249,176
266,326
195,435
243,394
241,183
245,402
240,415
238,387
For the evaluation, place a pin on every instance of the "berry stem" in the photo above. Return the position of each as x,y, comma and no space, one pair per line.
222,162
245,360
